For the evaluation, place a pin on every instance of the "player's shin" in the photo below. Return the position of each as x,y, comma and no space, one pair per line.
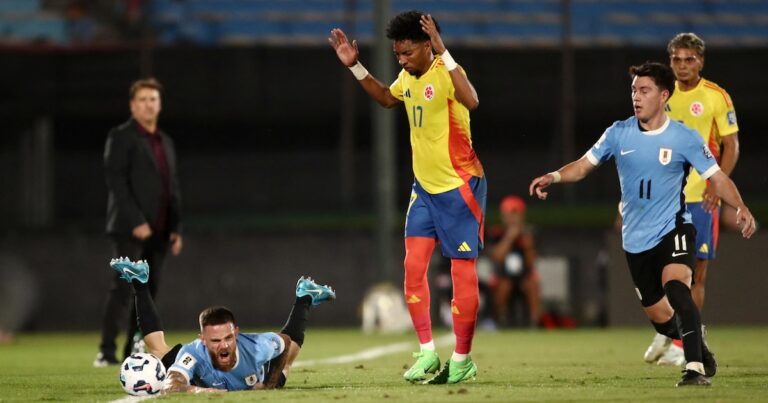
148,319
146,312
418,250
688,322
466,300
297,320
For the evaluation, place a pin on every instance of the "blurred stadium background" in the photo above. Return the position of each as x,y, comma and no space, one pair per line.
288,169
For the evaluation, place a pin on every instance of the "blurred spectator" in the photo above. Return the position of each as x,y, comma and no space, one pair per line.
513,252
80,25
143,207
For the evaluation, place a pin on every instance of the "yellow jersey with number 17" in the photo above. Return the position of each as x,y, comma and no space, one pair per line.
708,110
443,157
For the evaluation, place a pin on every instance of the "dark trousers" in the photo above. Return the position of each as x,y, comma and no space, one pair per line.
120,296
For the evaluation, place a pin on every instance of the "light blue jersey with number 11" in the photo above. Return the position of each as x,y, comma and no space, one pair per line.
652,166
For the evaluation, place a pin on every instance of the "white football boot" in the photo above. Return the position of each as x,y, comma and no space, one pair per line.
674,356
657,348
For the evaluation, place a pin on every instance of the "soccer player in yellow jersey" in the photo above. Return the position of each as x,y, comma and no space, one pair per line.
449,192
701,105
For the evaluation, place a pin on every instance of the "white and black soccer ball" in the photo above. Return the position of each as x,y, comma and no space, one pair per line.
142,374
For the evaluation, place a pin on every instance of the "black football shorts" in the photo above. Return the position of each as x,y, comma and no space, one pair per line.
678,246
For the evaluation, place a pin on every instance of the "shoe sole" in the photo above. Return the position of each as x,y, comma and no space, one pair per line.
470,376
424,377
418,380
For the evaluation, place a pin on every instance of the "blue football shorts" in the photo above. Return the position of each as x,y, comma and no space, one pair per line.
707,230
455,218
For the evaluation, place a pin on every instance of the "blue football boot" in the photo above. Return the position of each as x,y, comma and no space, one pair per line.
129,270
318,293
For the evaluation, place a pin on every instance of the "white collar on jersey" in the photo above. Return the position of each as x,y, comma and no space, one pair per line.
657,131
237,358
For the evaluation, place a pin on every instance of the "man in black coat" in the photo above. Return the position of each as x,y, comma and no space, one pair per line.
143,206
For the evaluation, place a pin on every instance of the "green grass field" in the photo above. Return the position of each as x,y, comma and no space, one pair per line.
579,365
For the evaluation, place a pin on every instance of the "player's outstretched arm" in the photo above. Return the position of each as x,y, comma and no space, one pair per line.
348,54
465,92
727,190
176,382
573,172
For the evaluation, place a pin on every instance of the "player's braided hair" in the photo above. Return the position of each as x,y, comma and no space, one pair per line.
686,40
216,315
407,26
662,75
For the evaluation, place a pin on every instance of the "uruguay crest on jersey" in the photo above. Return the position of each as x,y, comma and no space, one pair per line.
665,155
651,204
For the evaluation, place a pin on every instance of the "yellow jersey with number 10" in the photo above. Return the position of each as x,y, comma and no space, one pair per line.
443,157
708,110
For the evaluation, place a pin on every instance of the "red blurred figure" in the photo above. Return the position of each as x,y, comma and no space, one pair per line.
514,255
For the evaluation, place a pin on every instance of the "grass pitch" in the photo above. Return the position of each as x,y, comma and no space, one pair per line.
580,365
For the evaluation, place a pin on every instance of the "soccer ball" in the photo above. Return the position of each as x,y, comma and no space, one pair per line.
142,374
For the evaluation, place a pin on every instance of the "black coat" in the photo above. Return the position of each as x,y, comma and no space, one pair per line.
133,180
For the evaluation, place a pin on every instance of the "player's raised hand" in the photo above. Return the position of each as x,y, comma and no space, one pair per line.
746,222
540,183
346,51
429,27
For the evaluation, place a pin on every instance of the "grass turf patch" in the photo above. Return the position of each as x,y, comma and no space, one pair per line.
579,365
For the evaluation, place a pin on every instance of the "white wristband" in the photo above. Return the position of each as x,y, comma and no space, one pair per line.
359,71
556,176
450,64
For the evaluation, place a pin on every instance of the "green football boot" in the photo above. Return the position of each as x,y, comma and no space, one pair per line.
455,372
427,362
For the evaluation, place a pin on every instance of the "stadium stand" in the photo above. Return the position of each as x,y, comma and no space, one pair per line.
25,21
477,22
524,23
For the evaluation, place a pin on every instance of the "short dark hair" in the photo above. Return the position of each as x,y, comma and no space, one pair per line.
407,26
216,315
662,75
137,85
686,40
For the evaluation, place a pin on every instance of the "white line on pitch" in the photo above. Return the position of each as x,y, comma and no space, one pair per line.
369,354
132,399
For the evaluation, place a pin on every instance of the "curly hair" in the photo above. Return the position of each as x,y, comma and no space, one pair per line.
662,75
686,40
407,26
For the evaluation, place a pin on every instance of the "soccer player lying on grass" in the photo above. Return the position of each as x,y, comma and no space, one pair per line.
653,156
223,359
